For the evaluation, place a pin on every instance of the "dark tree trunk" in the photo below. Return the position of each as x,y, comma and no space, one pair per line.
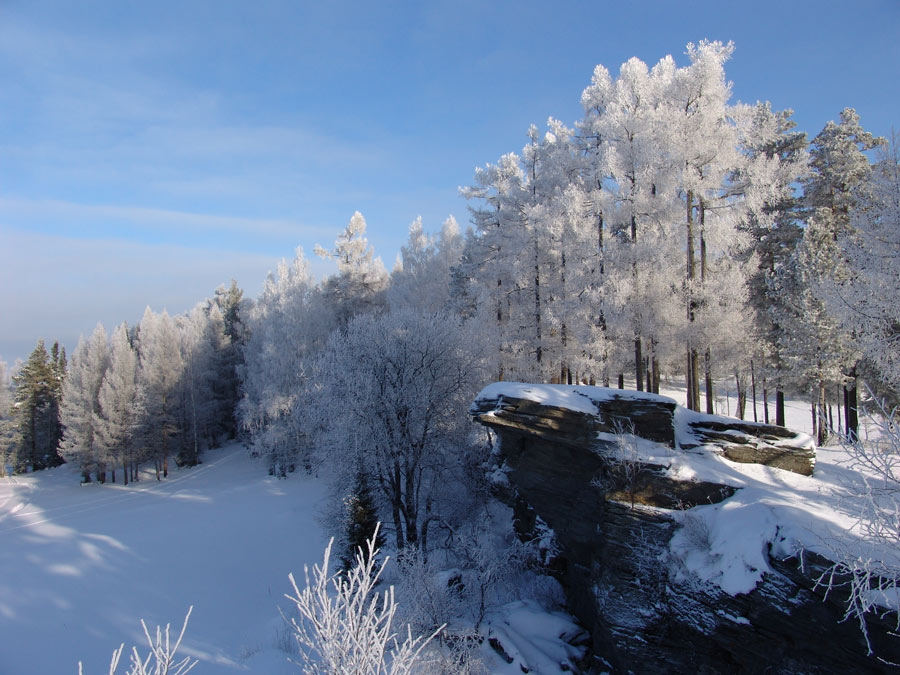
621,381
779,407
710,394
851,412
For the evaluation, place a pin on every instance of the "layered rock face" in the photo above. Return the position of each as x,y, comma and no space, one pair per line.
645,614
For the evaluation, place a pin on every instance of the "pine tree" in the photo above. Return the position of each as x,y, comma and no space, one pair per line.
361,281
838,180
36,427
361,519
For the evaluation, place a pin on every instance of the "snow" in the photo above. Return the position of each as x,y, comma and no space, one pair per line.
577,398
81,565
537,640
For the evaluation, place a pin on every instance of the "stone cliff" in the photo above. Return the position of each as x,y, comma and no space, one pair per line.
614,522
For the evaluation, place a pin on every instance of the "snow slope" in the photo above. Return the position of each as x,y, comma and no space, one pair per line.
81,565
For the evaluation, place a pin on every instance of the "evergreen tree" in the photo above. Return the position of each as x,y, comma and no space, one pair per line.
838,180
5,410
36,427
361,281
361,519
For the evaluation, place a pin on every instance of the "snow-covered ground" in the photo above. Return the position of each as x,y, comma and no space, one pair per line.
81,565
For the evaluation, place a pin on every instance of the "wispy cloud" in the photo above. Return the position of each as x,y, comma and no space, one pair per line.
72,217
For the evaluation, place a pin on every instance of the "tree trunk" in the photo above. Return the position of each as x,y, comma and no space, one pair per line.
710,395
765,401
779,407
537,305
741,395
823,422
638,365
689,385
753,389
815,420
690,274
851,412
621,381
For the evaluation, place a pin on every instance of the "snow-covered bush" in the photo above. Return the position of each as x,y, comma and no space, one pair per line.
347,627
160,660
870,568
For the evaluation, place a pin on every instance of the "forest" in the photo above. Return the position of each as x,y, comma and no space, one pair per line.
669,235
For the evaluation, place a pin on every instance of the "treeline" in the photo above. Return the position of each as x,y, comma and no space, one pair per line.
163,389
669,233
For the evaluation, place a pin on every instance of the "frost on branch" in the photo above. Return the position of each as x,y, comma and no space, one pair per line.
870,572
160,660
345,626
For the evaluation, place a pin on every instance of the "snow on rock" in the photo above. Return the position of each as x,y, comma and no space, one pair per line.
576,398
522,637
554,395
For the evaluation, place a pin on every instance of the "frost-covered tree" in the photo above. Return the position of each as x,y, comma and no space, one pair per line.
160,370
361,281
867,304
774,238
35,419
286,325
524,266
422,277
81,404
114,422
391,390
838,180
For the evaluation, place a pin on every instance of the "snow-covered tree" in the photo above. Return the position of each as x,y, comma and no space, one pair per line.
159,375
774,238
286,325
361,281
81,404
867,304
422,276
390,392
114,422
838,179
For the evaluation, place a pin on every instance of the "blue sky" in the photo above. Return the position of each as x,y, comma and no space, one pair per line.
152,151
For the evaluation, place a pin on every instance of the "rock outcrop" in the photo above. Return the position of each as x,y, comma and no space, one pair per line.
752,443
645,613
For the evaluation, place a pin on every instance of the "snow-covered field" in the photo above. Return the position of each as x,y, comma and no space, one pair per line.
81,565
